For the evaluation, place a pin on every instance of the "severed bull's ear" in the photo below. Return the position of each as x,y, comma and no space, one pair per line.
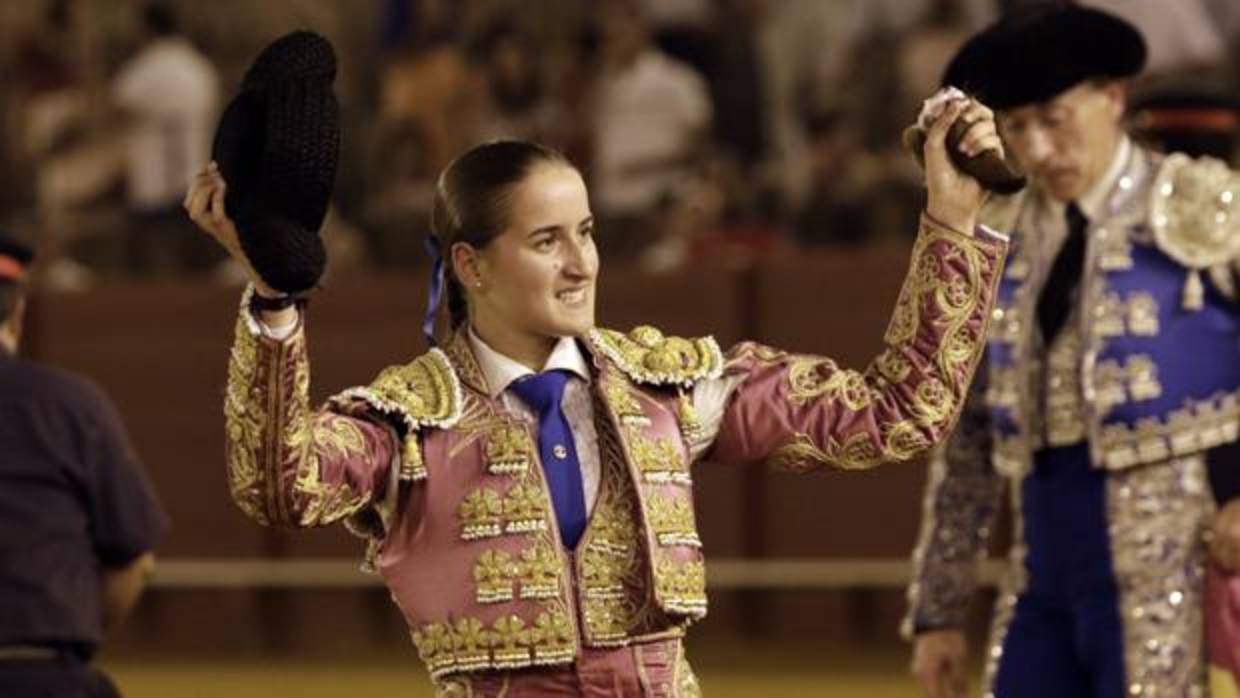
998,174
1001,175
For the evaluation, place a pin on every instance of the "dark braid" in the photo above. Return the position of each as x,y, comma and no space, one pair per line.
471,203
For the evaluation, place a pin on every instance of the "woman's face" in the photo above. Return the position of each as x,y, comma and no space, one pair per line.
536,279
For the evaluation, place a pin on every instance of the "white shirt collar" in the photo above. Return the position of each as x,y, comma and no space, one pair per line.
1093,202
500,370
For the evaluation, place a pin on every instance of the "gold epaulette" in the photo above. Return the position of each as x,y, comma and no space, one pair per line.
422,393
1195,211
646,356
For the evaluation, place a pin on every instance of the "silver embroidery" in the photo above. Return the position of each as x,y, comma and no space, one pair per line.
1157,516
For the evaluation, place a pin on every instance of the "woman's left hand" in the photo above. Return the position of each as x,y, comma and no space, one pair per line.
954,198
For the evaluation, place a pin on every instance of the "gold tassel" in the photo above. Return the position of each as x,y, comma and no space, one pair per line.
688,416
1194,292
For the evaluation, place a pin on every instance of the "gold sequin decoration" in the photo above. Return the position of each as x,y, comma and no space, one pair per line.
647,356
812,378
671,519
508,450
494,574
481,514
424,392
508,643
681,586
539,572
525,509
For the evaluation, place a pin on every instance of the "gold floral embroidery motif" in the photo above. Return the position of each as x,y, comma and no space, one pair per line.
658,460
509,643
539,572
508,450
610,564
893,366
536,571
245,423
902,441
647,356
622,401
681,585
811,378
481,513
610,619
494,573
671,519
525,509
954,297
470,644
933,402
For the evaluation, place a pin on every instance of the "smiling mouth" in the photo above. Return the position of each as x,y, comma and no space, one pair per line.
576,296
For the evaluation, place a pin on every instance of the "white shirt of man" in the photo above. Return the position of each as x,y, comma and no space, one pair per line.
170,91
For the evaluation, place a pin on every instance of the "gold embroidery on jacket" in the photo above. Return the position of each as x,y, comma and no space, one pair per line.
245,421
681,585
423,392
647,356
508,450
658,460
481,514
813,378
539,571
525,509
609,564
508,643
902,441
671,519
494,574
622,401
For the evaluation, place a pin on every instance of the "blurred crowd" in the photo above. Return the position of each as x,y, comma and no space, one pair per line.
725,128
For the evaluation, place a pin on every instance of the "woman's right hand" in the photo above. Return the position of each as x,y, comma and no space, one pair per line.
205,204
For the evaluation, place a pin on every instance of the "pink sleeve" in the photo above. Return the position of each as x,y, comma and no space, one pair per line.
800,412
288,463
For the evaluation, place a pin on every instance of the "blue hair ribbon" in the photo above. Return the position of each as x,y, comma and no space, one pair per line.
435,292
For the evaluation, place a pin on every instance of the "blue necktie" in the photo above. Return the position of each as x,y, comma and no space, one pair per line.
543,392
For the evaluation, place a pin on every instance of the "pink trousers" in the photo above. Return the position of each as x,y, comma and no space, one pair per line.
650,670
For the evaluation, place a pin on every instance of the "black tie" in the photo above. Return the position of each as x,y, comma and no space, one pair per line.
1056,299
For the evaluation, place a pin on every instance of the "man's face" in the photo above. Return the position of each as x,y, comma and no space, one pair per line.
1066,144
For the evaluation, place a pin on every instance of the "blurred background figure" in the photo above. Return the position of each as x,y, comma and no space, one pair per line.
651,120
168,94
78,519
